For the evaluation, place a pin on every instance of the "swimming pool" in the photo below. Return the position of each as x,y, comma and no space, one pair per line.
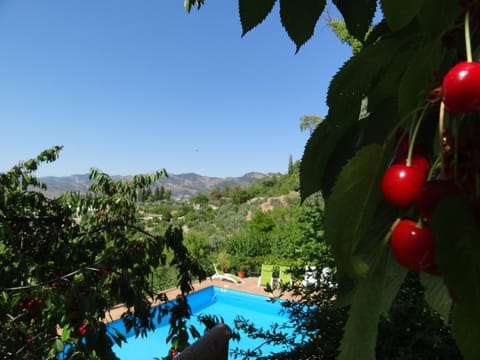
213,300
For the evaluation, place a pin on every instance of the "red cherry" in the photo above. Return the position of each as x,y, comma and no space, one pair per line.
402,185
413,247
433,191
83,329
460,87
138,248
417,161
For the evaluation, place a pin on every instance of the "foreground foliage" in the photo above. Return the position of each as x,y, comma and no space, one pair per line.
65,262
390,92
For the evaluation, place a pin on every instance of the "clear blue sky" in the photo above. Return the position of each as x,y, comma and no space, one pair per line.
132,86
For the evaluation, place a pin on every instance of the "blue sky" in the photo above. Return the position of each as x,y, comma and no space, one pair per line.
135,86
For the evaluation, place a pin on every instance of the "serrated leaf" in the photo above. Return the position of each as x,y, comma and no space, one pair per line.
372,129
299,18
400,13
419,76
318,151
351,207
436,295
344,99
358,15
253,12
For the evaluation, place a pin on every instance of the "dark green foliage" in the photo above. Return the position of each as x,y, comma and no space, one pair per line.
392,78
358,15
187,4
299,18
411,330
253,12
65,262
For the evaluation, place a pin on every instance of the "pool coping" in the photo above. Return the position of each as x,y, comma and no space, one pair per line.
250,285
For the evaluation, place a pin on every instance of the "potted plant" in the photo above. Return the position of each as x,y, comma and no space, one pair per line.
242,271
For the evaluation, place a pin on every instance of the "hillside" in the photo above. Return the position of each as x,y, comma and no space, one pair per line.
181,185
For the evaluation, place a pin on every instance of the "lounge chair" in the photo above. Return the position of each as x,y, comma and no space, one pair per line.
310,278
219,274
284,276
326,278
266,276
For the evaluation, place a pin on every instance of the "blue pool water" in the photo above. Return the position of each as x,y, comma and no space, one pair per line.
226,303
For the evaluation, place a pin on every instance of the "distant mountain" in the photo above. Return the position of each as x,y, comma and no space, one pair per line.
182,185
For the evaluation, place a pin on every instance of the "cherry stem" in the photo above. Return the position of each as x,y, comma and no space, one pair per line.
392,133
414,136
436,164
468,46
441,124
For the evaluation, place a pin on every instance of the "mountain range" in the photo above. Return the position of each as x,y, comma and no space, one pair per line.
182,185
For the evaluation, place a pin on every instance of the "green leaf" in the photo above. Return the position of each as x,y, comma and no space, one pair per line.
59,346
253,12
457,252
419,77
466,330
370,130
458,248
446,12
400,13
360,333
299,18
66,334
118,336
351,207
345,94
358,15
436,295
187,4
374,294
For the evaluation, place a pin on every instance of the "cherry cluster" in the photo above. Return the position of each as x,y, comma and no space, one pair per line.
83,329
412,180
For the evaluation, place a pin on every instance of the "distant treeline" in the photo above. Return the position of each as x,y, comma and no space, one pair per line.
155,194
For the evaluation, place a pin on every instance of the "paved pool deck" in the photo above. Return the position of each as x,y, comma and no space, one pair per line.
249,285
